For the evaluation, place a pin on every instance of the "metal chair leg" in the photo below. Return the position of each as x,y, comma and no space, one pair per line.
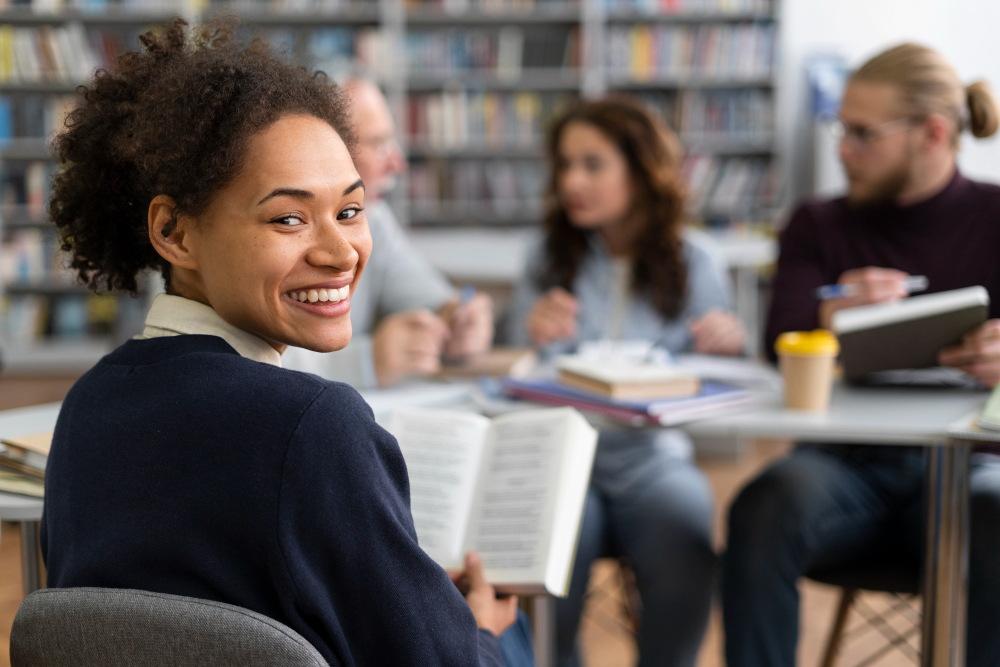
839,623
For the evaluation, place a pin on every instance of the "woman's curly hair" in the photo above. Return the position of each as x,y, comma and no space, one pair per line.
173,118
653,154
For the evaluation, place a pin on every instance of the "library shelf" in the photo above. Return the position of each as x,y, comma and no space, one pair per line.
620,82
47,289
630,16
44,87
536,79
558,13
25,148
475,150
475,213
353,15
54,356
728,148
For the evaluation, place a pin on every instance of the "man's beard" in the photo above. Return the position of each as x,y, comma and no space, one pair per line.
884,191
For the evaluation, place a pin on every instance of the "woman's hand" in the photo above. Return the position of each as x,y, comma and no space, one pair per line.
471,326
718,332
492,614
552,317
978,355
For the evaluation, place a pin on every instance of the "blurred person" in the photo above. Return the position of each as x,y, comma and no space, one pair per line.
615,263
405,314
908,211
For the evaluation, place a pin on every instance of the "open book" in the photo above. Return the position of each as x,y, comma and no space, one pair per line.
512,489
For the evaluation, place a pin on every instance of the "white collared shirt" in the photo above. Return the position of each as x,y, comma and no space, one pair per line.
175,315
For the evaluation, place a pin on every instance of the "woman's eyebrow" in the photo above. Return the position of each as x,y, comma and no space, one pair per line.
354,186
288,192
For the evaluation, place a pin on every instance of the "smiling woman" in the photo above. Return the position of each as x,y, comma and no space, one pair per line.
188,461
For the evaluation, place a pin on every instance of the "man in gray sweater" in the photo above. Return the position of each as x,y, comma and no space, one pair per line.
404,313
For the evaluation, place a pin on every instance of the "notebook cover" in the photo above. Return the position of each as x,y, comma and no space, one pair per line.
910,344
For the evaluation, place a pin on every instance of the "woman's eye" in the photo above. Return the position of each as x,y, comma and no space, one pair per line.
288,221
348,213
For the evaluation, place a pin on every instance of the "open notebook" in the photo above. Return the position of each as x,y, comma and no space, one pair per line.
512,489
908,333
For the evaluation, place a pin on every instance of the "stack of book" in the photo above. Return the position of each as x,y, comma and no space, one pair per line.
730,187
634,393
679,52
716,119
499,186
463,119
22,464
503,52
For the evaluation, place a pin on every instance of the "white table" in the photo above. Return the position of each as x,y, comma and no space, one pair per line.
939,419
24,510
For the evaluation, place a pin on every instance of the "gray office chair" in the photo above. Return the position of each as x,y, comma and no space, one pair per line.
106,627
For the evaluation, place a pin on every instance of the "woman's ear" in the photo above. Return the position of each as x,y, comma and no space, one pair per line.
168,232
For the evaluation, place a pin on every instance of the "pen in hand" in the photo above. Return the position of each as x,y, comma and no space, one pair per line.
839,291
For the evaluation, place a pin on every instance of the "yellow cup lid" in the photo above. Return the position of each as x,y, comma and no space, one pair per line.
818,343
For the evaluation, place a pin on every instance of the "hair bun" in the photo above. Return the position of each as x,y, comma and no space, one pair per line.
984,117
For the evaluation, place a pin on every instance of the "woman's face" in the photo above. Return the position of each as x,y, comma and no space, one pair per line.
287,232
592,178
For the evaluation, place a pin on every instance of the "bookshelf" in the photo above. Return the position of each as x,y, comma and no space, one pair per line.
472,84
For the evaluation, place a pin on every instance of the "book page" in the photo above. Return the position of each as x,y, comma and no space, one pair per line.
512,516
442,450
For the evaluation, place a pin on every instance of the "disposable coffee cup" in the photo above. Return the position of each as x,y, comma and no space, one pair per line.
806,359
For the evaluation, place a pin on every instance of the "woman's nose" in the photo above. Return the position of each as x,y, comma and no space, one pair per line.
331,248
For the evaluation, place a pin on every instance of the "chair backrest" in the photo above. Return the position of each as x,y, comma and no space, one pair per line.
107,627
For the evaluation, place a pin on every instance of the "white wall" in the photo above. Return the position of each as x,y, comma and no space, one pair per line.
964,30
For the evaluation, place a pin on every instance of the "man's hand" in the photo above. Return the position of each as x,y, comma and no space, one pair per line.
978,355
491,614
870,285
407,343
552,317
471,326
718,332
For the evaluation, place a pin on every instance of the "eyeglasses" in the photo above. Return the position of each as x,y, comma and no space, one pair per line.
382,147
861,136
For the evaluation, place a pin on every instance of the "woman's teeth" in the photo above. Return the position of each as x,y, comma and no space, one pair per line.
314,295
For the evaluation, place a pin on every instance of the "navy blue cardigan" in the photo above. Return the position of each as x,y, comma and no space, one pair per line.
180,467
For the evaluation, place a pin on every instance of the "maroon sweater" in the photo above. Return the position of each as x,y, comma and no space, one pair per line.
953,238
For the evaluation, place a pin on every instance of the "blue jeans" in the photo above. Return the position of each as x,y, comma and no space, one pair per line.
826,506
648,504
516,645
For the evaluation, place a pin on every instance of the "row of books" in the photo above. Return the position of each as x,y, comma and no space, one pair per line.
33,115
496,185
184,7
461,119
487,6
24,193
644,52
503,51
56,54
31,318
690,6
720,187
31,257
334,50
716,118
70,53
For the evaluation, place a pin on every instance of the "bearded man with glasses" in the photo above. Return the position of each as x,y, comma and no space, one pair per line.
907,211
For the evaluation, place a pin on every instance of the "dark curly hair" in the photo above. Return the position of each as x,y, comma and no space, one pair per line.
173,118
653,154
